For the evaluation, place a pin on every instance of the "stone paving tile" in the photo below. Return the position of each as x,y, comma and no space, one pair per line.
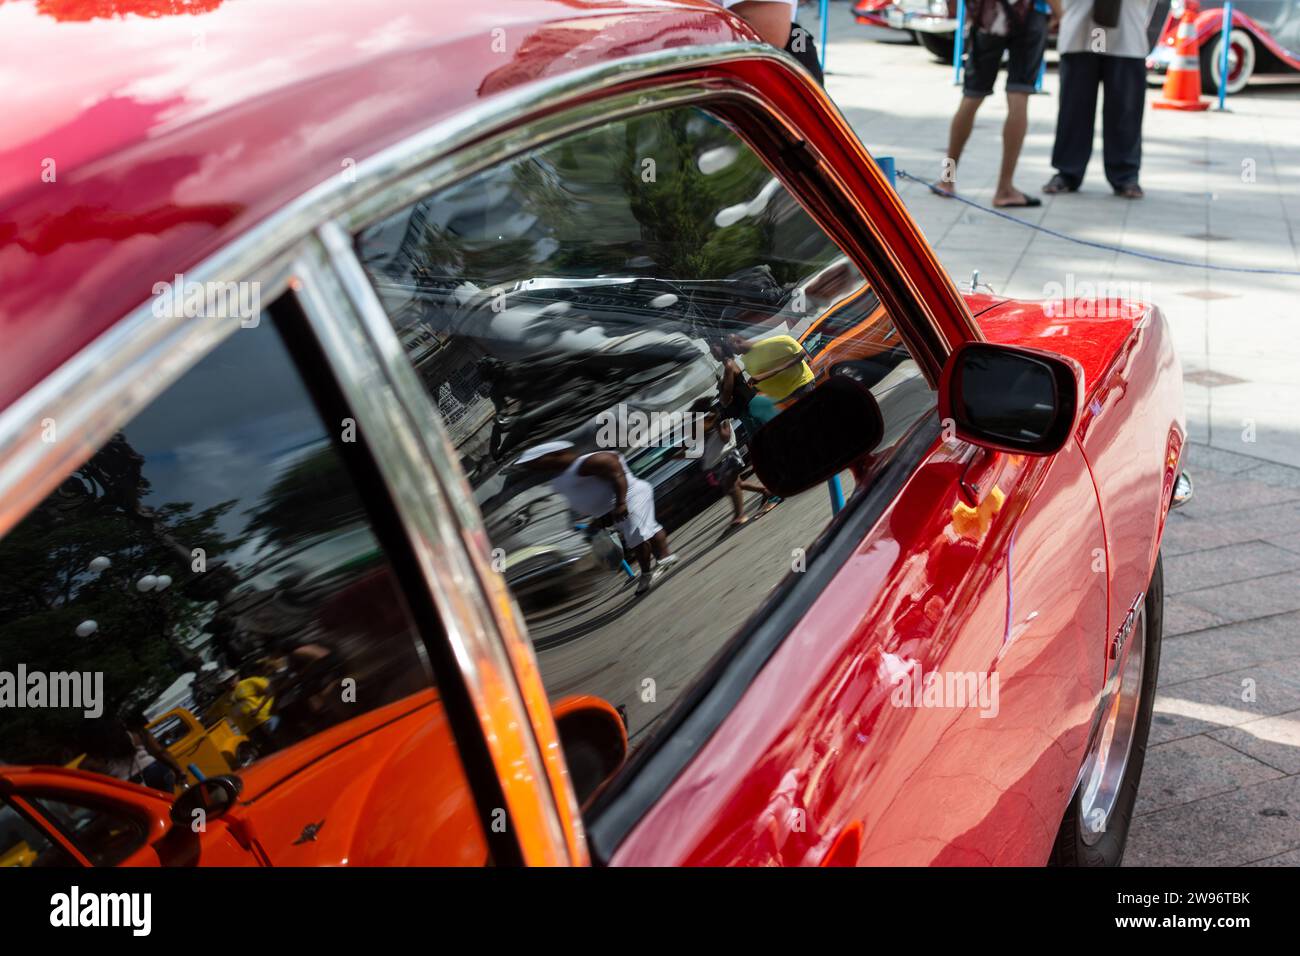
1185,770
1290,858
1203,457
1188,530
1214,702
1222,650
1290,542
1222,494
1228,565
1245,600
1283,476
1253,823
1272,740
1184,618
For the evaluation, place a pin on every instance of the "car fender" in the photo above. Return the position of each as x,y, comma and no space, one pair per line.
1210,24
1133,432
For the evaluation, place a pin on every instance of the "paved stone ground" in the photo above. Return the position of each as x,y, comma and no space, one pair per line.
1222,778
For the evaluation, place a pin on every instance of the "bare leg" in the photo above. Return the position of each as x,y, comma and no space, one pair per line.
659,544
963,122
1013,137
737,503
643,556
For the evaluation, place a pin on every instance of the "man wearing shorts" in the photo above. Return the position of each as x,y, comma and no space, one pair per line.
1018,28
598,484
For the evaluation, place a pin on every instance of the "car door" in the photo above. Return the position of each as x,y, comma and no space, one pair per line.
227,522
589,276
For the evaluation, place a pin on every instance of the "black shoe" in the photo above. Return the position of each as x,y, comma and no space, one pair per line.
1059,184
1129,191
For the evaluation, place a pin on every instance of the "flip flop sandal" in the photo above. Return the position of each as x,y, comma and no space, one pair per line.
1029,203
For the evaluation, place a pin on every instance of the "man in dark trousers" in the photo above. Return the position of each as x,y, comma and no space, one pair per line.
1106,42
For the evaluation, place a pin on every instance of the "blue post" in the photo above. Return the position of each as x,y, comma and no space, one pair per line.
886,164
837,494
959,43
823,11
1223,54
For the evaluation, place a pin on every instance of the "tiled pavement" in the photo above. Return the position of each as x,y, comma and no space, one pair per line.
1222,778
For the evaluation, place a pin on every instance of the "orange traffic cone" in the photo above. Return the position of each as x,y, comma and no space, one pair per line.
1183,81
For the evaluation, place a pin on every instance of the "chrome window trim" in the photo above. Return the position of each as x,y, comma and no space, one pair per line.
446,169
101,388
111,379
443,172
416,459
152,352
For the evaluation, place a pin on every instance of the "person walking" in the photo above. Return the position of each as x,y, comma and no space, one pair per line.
1017,28
1106,42
600,484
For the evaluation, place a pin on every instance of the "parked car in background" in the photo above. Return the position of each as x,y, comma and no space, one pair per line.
251,343
932,22
1265,38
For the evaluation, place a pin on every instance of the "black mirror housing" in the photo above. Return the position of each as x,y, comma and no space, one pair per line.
1011,398
817,437
213,795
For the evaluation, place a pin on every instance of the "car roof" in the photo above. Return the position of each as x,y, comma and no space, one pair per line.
141,136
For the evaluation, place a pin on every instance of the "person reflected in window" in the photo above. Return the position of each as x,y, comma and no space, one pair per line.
600,485
777,365
723,466
737,397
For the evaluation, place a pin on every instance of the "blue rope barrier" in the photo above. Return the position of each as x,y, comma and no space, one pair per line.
1089,242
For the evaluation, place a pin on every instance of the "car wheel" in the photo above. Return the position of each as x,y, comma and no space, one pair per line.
1241,63
1095,828
939,44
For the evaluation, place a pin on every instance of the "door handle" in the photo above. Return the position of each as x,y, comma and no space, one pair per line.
981,474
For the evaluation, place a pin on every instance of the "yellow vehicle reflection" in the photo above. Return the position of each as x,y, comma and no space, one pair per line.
212,750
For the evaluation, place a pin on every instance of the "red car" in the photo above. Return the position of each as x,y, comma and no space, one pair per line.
289,325
1265,38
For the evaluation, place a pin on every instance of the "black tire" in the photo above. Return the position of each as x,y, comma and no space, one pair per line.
1070,848
939,44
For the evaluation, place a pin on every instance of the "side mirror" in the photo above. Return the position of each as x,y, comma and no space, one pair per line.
817,437
1011,398
593,736
213,795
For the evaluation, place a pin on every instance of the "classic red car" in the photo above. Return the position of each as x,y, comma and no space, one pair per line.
289,325
1265,38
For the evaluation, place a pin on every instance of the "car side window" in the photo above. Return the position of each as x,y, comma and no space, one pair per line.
23,844
604,323
105,836
207,595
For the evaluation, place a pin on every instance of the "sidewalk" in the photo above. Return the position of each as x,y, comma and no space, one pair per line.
1236,334
1222,778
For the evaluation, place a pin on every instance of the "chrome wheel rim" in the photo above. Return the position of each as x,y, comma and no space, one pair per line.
1104,773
